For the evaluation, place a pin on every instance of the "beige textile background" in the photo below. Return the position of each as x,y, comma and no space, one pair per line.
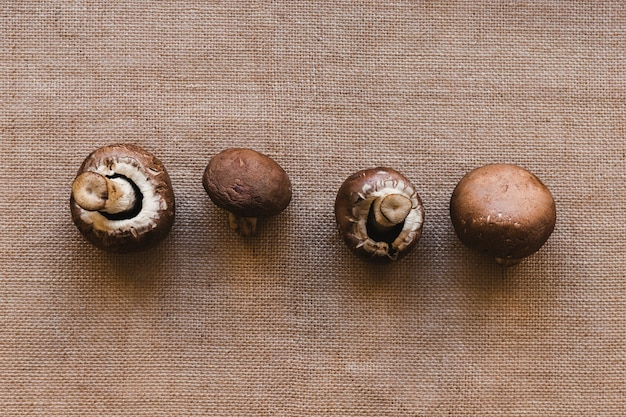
289,323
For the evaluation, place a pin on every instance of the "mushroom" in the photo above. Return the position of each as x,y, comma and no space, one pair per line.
248,185
504,211
379,214
122,199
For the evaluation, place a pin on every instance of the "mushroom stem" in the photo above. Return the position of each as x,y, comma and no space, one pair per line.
506,262
245,226
389,211
95,192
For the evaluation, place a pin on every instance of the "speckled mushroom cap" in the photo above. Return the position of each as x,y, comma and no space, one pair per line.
353,206
152,218
247,183
502,210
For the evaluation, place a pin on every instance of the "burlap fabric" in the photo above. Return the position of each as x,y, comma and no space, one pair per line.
289,323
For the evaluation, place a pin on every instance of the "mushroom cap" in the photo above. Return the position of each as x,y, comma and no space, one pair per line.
247,183
502,210
353,203
154,216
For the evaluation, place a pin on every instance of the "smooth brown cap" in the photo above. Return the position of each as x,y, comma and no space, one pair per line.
142,235
502,210
247,183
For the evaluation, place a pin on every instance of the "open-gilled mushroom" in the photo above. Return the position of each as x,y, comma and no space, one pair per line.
504,211
248,185
379,214
122,199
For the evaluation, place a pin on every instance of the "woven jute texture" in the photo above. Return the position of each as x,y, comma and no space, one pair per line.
290,323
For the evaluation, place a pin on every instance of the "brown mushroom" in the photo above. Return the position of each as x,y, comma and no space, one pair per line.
122,199
248,185
504,211
379,214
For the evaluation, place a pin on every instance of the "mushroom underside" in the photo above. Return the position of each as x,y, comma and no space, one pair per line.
379,213
386,242
144,222
145,213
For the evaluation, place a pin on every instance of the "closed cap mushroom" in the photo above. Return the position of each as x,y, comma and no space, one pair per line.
379,214
504,211
122,199
248,185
